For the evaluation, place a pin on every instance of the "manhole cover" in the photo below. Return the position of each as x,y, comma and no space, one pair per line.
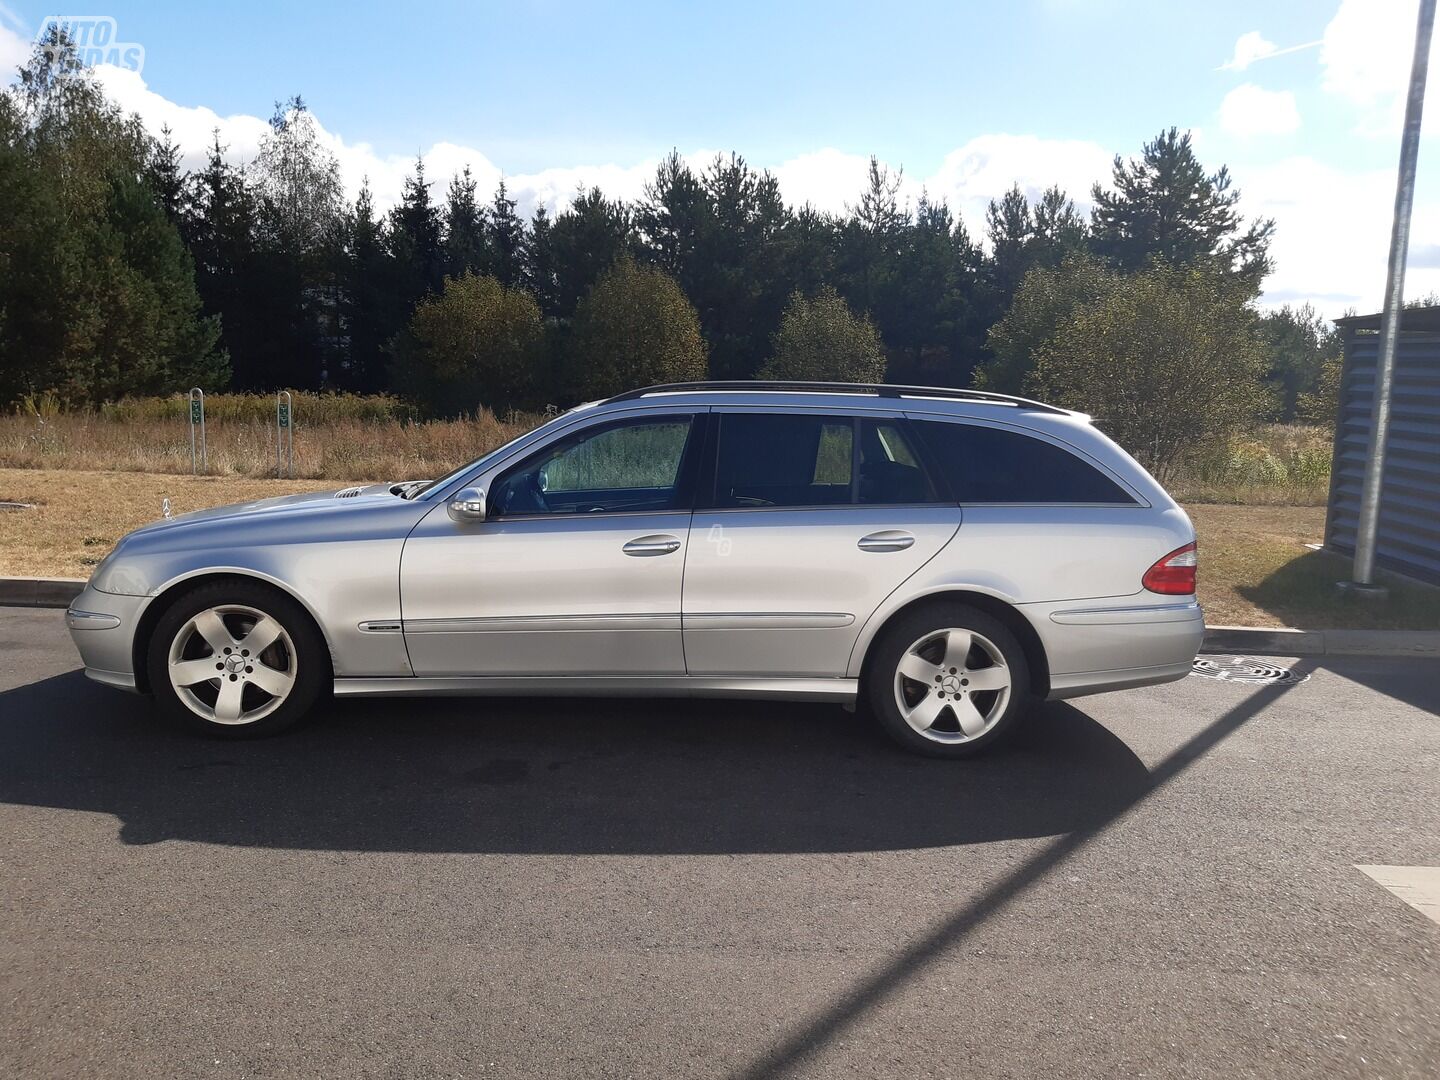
1243,669
16,506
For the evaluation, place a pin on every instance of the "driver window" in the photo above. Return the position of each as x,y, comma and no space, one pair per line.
630,466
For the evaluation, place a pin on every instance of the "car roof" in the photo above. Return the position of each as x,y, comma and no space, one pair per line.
849,396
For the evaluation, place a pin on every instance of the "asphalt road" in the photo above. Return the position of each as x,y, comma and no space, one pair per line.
1159,882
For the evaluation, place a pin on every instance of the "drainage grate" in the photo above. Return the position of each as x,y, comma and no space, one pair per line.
1243,669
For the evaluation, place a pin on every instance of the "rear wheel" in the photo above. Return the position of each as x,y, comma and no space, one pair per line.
948,681
236,659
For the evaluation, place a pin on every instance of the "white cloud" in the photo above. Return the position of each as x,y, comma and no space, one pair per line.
1250,110
1251,48
11,16
1335,260
1248,48
986,166
829,179
1366,56
14,51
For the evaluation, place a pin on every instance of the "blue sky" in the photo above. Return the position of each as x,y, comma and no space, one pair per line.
965,97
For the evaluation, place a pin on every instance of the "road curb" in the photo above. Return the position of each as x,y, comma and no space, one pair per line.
39,592
1268,641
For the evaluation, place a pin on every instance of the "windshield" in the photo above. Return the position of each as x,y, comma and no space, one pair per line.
451,477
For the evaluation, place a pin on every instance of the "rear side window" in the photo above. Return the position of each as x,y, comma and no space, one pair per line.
991,465
799,459
890,470
784,459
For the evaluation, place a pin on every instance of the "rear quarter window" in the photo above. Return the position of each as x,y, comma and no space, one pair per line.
992,465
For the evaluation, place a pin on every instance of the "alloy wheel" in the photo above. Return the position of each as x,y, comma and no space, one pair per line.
952,685
232,664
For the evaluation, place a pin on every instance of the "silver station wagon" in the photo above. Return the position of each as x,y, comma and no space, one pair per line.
944,558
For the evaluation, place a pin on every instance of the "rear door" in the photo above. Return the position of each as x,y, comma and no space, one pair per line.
807,521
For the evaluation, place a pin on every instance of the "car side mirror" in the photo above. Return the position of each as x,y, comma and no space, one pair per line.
468,505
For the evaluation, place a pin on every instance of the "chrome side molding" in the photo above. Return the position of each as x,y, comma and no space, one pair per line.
844,691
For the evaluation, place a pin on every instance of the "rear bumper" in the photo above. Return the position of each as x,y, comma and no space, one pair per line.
102,625
1093,648
1078,684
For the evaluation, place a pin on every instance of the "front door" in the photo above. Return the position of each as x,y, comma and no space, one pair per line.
811,521
576,569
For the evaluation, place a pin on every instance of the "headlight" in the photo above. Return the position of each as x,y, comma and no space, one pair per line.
113,575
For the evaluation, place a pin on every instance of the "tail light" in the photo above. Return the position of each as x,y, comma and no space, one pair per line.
1173,574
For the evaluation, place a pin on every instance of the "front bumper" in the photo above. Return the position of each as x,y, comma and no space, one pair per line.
103,626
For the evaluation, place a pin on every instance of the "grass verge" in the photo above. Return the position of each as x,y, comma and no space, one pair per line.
1254,567
1255,570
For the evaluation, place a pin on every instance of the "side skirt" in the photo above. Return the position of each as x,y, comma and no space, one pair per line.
807,689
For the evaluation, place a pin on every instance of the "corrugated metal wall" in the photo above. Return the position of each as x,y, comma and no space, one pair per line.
1409,534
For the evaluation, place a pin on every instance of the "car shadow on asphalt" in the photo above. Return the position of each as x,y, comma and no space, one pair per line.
557,776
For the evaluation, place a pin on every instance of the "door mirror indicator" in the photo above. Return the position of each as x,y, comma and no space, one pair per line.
468,505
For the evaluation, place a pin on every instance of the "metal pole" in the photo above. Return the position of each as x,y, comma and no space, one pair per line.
1394,299
197,419
284,434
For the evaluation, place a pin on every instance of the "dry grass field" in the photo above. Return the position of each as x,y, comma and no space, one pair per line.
1255,569
78,515
333,439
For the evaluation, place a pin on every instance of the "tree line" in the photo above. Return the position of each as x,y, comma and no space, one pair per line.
121,273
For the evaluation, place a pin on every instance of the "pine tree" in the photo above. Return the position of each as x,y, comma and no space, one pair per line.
464,228
370,314
218,223
165,176
932,330
414,235
1059,229
871,237
1011,229
1166,208
583,242
505,238
541,271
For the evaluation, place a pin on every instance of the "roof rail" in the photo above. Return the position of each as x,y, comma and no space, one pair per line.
884,390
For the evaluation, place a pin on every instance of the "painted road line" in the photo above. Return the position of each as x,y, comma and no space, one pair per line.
1418,886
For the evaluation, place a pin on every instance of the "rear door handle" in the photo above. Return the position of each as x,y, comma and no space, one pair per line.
654,544
889,540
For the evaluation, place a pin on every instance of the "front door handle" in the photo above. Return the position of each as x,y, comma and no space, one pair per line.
654,544
889,540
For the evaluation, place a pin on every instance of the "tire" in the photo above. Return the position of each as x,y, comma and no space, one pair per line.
933,706
253,692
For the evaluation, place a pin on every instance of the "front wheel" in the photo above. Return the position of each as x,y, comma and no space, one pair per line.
948,681
236,660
